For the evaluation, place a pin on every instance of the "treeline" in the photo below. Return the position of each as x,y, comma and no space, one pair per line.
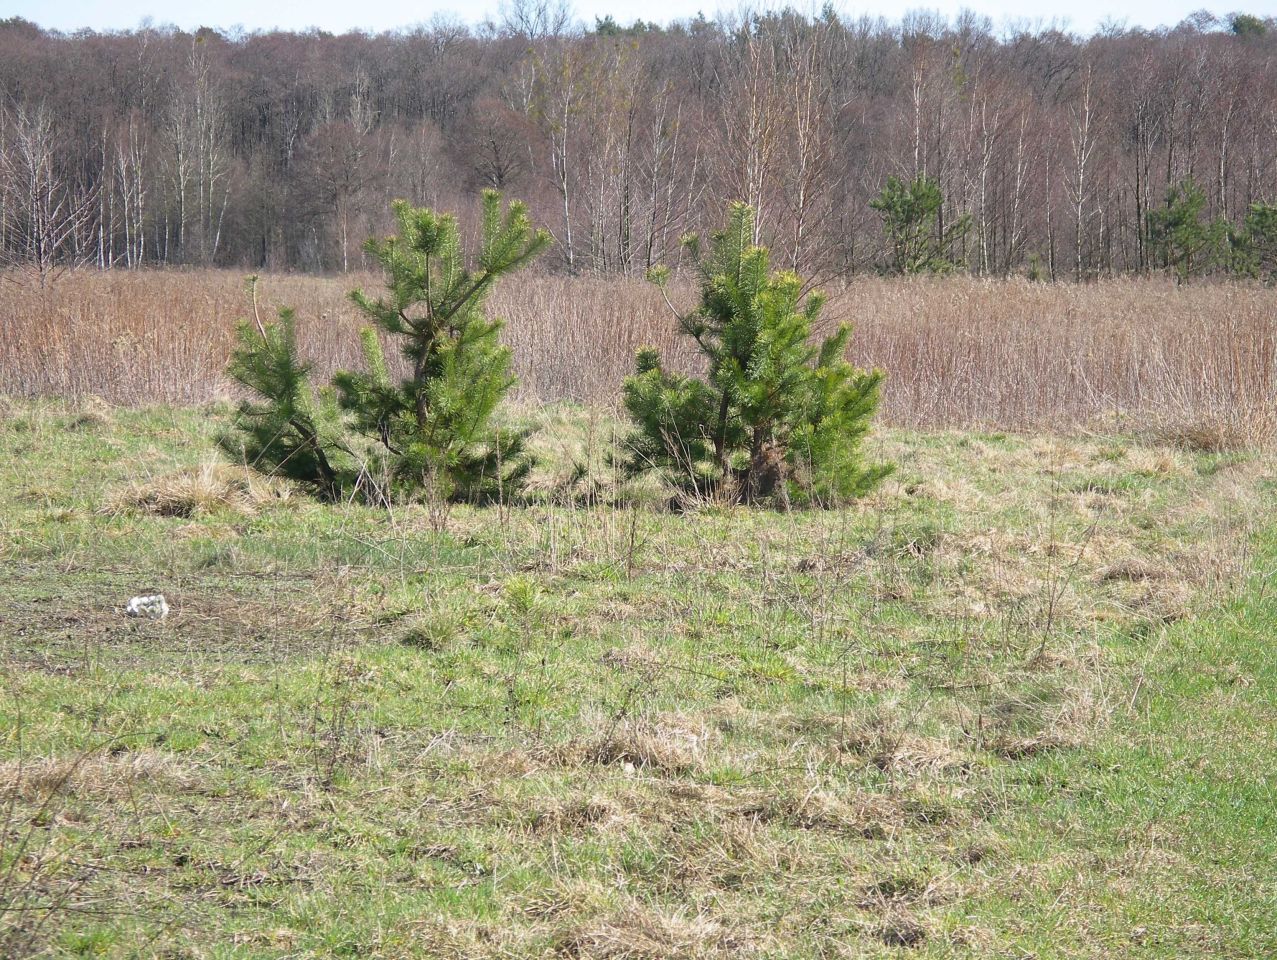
1031,151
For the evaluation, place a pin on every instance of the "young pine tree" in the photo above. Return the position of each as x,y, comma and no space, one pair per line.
431,431
437,422
1253,248
911,220
294,431
1186,243
776,416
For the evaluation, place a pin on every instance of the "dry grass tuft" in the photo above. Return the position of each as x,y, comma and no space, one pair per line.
641,932
576,814
1065,721
868,816
97,776
1217,433
635,657
901,930
92,413
883,741
667,746
1157,461
201,490
1132,568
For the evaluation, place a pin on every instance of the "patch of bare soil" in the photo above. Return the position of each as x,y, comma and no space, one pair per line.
60,621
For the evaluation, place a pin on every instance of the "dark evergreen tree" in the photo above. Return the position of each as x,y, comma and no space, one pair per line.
1253,248
1185,241
294,431
911,216
1247,25
776,416
433,431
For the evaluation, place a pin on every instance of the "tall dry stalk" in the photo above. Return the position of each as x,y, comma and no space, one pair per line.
959,352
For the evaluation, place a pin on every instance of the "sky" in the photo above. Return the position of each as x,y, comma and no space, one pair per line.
1081,16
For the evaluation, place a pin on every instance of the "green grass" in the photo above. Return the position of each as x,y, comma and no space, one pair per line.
1159,839
1017,703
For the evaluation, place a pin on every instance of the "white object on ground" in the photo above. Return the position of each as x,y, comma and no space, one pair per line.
152,608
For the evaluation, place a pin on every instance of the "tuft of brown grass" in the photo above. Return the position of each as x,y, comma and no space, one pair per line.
1197,362
199,491
901,930
94,413
1217,432
575,815
816,809
640,932
665,746
99,776
882,741
1132,568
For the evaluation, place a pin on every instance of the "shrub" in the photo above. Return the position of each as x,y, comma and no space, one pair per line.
777,416
432,432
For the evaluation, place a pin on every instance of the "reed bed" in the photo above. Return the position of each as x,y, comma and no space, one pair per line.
959,352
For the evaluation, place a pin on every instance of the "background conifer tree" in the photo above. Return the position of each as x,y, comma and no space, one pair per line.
1186,242
776,416
911,220
1253,248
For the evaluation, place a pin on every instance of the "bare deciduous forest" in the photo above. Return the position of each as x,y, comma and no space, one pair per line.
1057,154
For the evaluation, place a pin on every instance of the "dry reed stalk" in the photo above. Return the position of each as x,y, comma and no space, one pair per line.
1136,354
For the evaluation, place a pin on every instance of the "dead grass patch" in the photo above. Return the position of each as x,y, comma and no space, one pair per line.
906,752
90,420
869,816
198,491
737,854
1024,727
97,776
1202,352
574,815
636,657
1157,461
668,746
1214,433
639,931
902,930
91,413
1010,747
882,740
905,887
1132,568
1164,601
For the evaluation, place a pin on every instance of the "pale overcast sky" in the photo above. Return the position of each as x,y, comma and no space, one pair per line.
1081,16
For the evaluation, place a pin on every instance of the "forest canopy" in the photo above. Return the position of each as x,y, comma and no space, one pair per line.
1061,155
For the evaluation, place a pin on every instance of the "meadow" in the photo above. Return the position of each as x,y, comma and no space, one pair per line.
1017,702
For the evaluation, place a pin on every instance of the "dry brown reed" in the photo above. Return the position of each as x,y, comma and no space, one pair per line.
1197,362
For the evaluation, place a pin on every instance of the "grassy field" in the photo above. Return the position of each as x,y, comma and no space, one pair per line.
1018,703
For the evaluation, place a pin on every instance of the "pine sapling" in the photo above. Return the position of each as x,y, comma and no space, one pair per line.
432,431
777,417
294,431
